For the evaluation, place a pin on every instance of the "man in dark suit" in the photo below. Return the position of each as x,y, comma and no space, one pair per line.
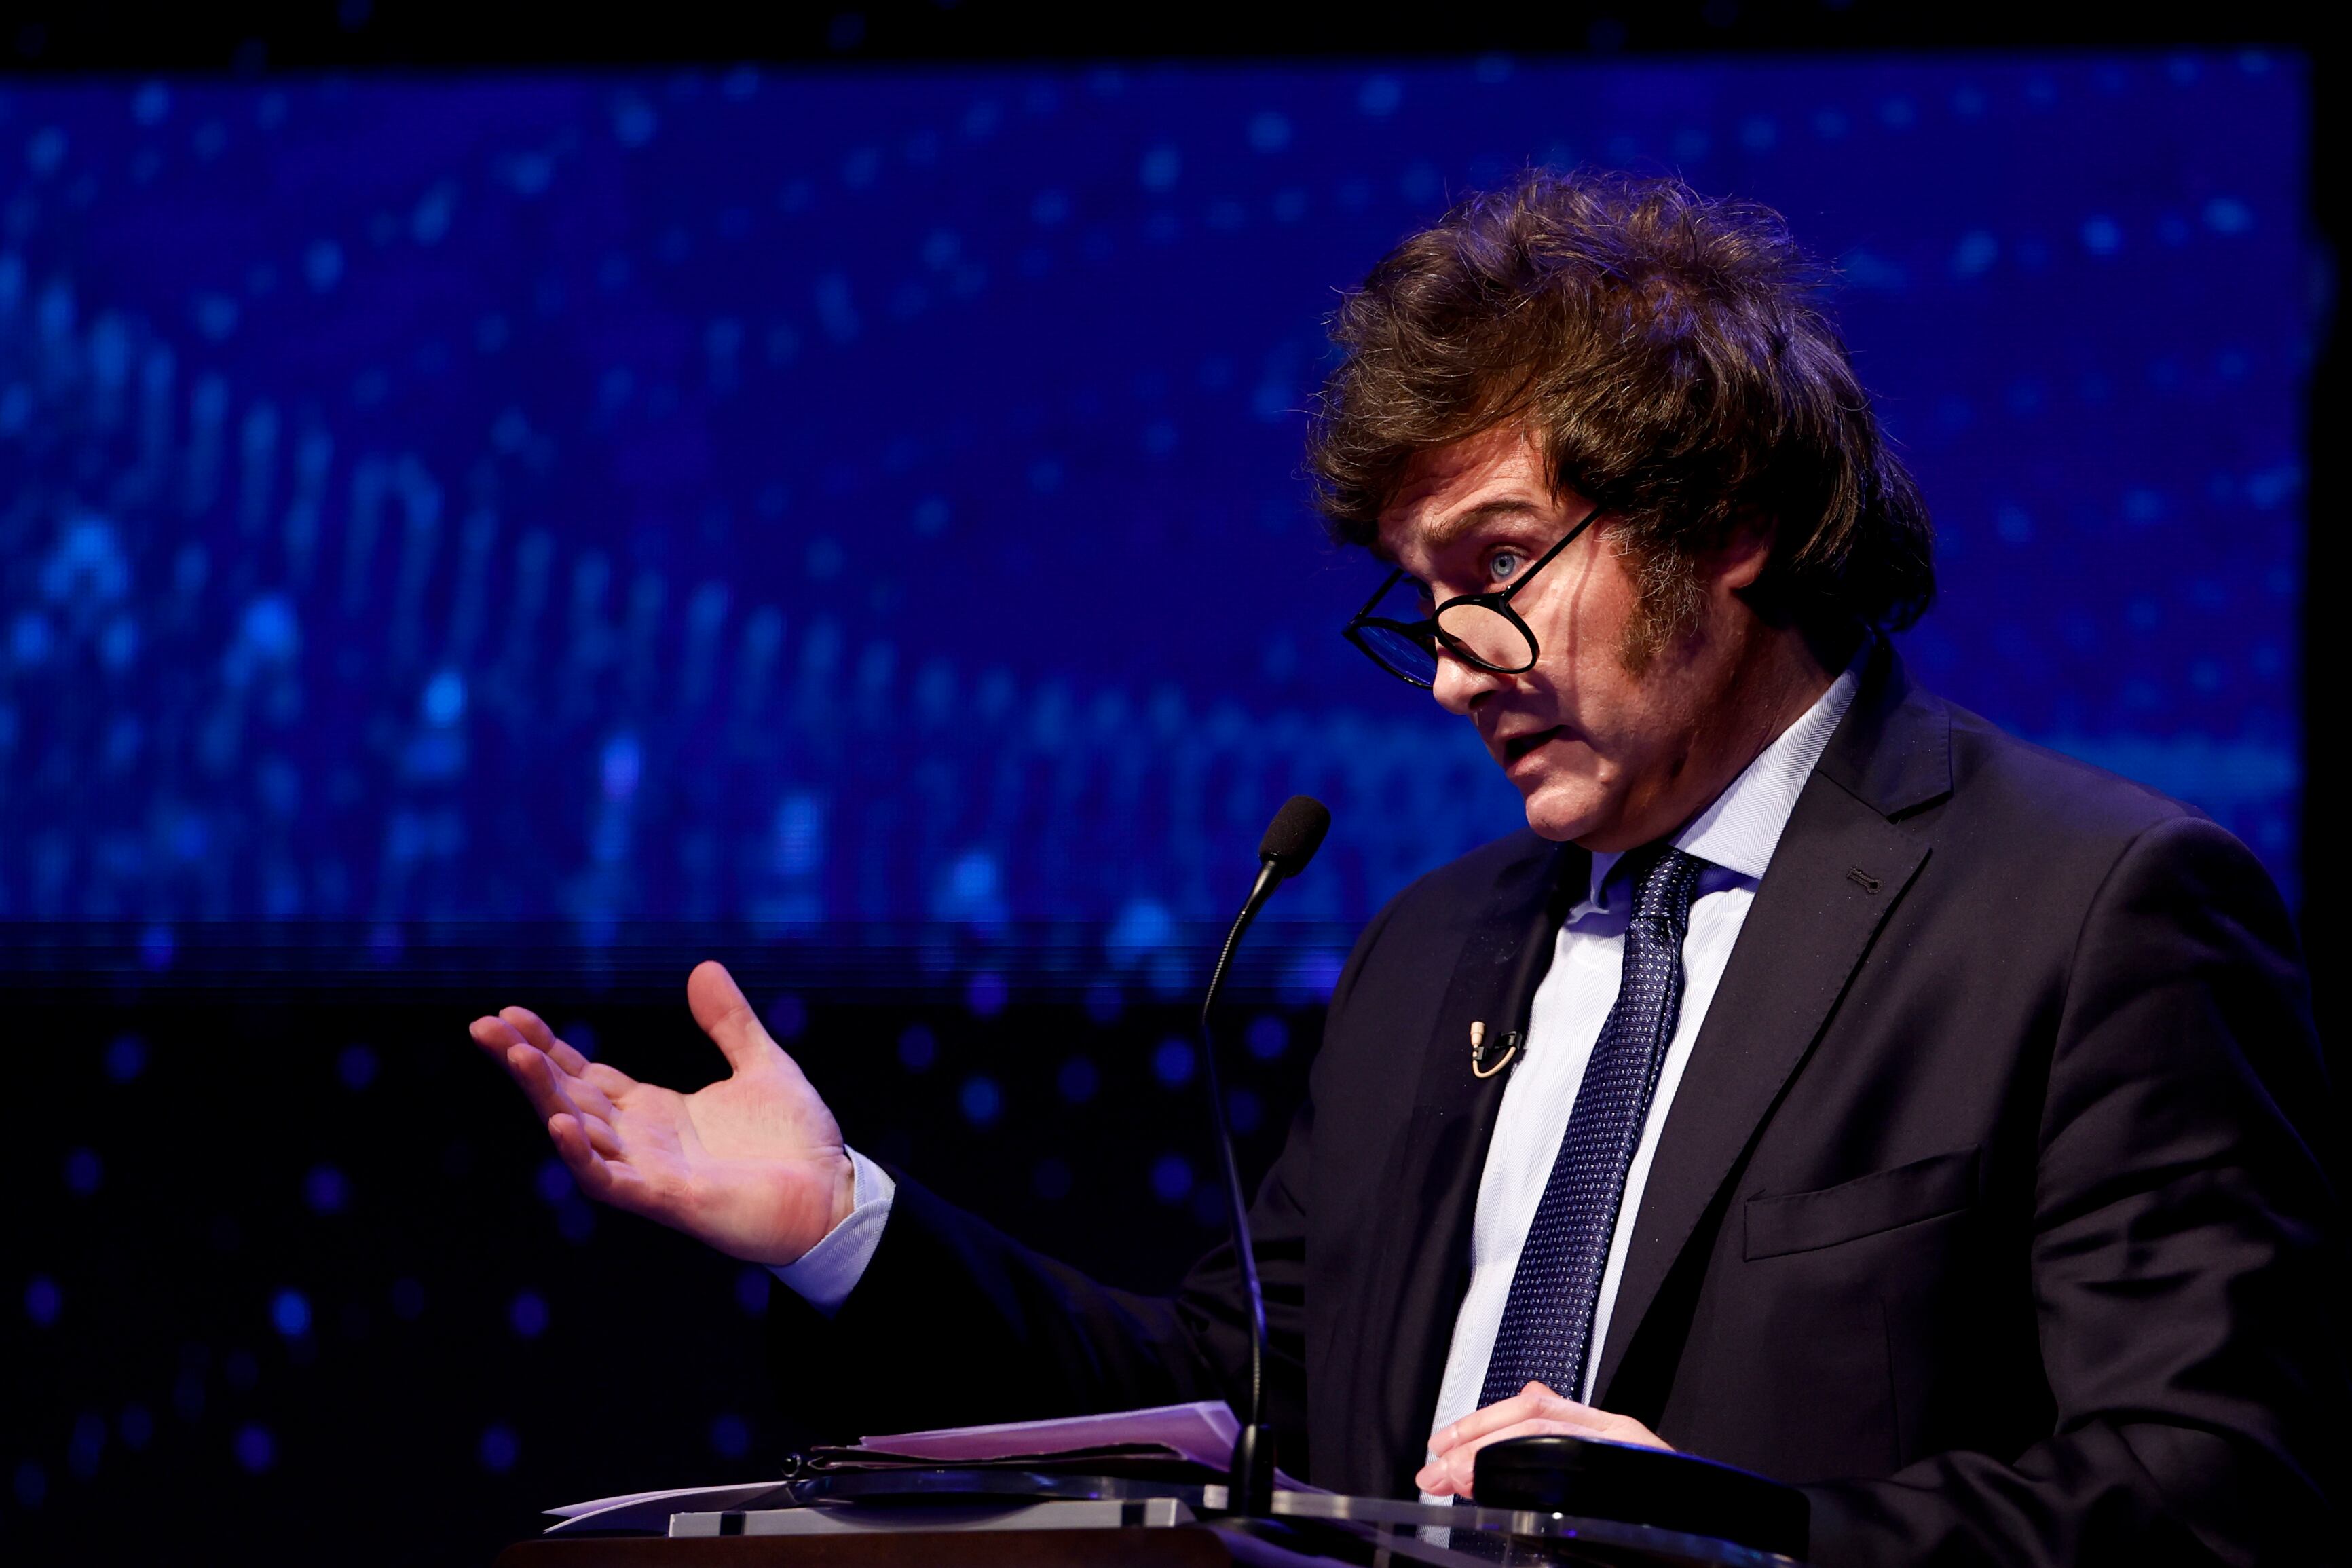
1827,1083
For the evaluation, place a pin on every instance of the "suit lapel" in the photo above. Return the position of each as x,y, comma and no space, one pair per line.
1429,1197
1839,869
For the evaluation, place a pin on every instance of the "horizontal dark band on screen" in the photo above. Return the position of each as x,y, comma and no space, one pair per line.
1293,963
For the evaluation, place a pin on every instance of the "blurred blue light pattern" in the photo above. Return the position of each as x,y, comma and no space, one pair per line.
1171,1063
1078,1080
753,1284
290,1313
1172,1178
787,1017
981,1099
326,1190
528,1315
138,1427
356,1066
985,994
1267,1037
126,1058
87,1445
553,1182
499,1449
822,501
255,1448
576,1219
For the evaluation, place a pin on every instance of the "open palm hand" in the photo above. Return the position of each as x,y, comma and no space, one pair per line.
753,1165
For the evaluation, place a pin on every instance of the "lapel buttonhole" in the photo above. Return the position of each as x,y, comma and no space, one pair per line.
1862,880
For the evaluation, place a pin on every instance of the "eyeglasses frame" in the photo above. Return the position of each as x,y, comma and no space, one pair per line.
1496,599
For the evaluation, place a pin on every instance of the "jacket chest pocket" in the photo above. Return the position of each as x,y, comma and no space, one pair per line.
1882,1201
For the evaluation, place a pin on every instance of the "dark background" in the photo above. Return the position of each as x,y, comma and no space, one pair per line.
289,1265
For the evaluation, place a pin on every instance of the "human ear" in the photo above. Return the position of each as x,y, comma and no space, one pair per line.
1737,563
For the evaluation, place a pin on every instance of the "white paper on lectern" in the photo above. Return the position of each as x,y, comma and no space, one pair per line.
623,1513
1202,1432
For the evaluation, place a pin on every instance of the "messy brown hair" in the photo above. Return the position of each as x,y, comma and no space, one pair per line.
1672,360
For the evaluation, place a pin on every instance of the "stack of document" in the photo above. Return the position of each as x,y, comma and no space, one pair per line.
1174,1443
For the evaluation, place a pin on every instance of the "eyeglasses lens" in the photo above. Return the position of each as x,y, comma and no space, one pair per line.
1487,637
1412,658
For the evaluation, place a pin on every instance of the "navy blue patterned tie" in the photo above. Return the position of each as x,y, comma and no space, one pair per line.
1547,1329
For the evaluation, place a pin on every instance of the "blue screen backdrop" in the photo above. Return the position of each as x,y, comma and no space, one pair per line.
863,509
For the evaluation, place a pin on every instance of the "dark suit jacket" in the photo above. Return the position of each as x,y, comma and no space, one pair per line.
1991,1206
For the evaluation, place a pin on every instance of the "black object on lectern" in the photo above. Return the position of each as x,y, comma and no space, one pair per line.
1635,1485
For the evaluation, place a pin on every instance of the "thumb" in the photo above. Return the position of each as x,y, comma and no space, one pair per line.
719,1007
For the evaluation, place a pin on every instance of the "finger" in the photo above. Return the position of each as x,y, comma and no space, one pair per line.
1582,1420
1447,1475
529,1025
601,1136
529,1067
599,1119
599,1091
609,1082
501,1034
601,1173
590,1095
719,1007
588,1166
1461,1466
609,1179
541,1082
495,1036
532,1027
1453,1474
1529,1402
1450,1474
580,1076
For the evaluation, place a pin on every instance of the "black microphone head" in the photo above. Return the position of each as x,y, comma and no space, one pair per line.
1294,834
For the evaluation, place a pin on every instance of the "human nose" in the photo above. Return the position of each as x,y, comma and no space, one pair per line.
1460,686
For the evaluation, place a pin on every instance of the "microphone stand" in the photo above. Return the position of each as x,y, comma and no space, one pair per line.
1250,1485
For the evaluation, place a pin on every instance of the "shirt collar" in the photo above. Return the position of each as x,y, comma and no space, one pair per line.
1742,828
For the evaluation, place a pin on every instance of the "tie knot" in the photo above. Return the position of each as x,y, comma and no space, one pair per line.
1663,879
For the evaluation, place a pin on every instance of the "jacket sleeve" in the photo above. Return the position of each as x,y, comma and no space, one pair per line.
2183,1255
955,1324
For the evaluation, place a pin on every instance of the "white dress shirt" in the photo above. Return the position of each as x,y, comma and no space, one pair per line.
827,1273
1735,835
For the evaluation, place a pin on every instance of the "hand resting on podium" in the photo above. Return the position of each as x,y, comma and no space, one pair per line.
752,1164
1534,1412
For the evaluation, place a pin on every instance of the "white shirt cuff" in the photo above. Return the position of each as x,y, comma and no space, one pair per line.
827,1273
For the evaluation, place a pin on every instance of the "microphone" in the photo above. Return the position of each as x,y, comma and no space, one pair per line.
1290,842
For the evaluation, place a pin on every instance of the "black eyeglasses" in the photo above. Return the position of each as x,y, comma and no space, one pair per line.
1481,630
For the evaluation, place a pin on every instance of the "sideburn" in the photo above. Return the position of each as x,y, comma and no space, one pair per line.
1670,600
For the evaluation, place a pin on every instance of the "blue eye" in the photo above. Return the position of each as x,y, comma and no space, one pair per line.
1502,563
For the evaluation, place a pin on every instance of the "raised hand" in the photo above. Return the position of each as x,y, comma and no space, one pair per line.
1534,1411
753,1165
